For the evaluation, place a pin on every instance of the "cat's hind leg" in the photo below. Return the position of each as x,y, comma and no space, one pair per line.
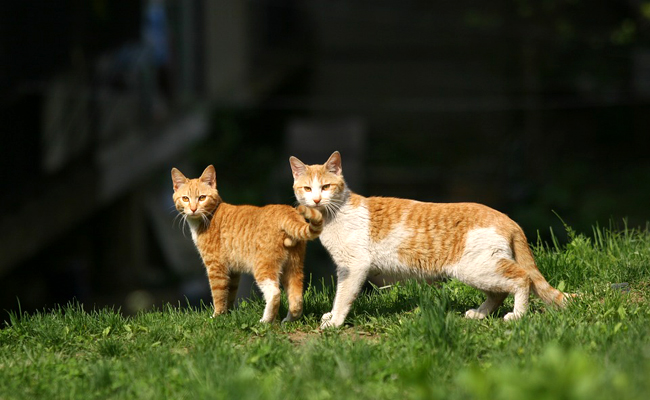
503,277
270,286
522,296
520,282
292,281
493,301
233,285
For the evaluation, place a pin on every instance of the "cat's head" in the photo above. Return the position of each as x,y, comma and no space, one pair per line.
321,185
196,198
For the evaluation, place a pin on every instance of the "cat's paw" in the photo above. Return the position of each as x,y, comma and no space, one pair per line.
328,321
326,317
290,318
511,316
327,324
289,242
266,320
474,314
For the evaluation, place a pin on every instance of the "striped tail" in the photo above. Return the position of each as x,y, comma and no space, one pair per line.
546,292
299,230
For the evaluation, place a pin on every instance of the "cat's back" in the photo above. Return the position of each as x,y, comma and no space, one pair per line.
381,215
429,236
257,218
385,213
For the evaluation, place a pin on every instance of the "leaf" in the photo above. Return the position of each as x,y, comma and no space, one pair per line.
617,327
106,331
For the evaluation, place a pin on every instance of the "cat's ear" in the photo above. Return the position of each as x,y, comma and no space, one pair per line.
297,167
209,177
333,163
178,179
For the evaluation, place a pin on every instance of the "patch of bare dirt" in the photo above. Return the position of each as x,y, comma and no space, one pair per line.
300,337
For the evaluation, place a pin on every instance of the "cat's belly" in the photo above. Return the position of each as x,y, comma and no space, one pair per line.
386,257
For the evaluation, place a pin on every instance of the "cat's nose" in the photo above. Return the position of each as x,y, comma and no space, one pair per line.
316,201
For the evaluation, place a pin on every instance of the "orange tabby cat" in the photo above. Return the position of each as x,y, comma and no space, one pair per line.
470,242
268,242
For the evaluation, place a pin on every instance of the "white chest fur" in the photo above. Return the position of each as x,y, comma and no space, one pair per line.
194,227
346,236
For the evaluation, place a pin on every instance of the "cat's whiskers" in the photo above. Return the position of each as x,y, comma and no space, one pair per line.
181,219
178,217
185,223
206,220
333,206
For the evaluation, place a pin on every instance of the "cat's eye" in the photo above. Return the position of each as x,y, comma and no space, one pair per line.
202,197
325,187
306,189
185,199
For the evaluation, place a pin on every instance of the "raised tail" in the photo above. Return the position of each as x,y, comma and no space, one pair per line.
524,257
299,229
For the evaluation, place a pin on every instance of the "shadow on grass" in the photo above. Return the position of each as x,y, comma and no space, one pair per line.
406,297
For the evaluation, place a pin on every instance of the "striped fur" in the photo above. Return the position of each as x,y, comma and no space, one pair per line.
299,231
470,242
268,242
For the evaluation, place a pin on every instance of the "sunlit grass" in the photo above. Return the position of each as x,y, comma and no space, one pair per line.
410,341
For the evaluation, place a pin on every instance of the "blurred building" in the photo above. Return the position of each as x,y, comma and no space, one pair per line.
97,99
529,107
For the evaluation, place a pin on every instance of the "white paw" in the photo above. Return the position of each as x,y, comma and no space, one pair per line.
511,316
474,314
266,320
327,324
330,321
326,317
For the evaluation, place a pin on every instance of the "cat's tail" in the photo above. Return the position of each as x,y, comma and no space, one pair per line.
546,292
303,230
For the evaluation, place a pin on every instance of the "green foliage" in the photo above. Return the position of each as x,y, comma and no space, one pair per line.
409,341
558,374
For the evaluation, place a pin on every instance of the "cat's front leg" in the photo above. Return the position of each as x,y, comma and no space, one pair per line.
350,281
219,282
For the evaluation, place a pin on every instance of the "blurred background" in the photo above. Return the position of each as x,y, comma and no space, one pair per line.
533,107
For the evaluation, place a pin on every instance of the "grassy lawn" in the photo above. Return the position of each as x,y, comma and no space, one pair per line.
406,342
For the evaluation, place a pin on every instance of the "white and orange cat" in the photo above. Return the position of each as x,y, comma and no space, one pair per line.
268,242
470,242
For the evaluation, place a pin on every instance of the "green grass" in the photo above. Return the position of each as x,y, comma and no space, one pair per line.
407,342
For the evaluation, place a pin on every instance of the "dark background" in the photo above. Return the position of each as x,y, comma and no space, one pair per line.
535,108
